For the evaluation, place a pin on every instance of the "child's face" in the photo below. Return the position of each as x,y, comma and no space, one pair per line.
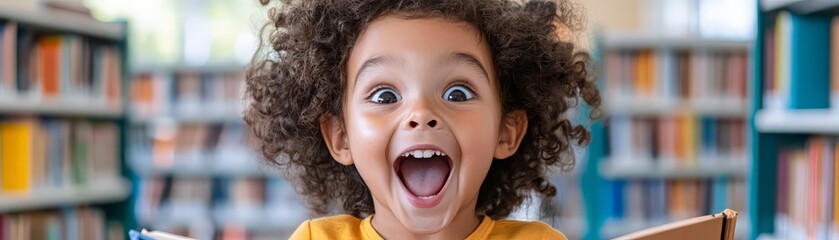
422,121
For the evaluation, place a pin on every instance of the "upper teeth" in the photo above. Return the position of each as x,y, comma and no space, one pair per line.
423,153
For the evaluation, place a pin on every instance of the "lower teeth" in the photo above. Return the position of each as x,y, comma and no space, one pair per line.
426,197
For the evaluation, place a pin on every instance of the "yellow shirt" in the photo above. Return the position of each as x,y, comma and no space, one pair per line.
349,227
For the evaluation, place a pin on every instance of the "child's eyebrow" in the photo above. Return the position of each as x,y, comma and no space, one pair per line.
453,58
468,59
376,61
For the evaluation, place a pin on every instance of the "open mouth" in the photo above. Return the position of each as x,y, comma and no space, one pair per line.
423,172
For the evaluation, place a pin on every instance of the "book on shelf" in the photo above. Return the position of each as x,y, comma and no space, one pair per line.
8,68
807,205
714,226
797,62
834,64
58,67
676,75
256,204
66,223
38,155
191,146
643,203
188,93
683,141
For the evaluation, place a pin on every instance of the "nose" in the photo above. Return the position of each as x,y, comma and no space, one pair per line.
415,124
423,116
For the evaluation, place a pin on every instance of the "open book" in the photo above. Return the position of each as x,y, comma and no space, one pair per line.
155,235
714,226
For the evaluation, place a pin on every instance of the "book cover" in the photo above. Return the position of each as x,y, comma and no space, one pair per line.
25,60
778,95
7,58
15,156
835,213
714,226
834,64
809,68
49,56
154,235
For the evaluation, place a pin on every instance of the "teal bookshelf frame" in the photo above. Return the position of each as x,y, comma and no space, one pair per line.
761,181
590,181
590,178
764,143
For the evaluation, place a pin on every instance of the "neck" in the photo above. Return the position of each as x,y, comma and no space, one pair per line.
388,226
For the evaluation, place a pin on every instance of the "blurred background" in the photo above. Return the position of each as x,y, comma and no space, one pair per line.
118,115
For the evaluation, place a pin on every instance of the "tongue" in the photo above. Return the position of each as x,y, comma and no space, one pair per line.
424,177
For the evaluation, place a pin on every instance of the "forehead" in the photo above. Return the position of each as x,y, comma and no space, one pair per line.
407,39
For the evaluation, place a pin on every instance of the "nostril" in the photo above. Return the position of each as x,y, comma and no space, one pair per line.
413,124
432,123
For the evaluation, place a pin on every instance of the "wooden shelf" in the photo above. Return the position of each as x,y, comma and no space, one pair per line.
812,121
207,119
58,107
64,21
647,169
210,171
100,191
625,41
800,6
214,68
665,107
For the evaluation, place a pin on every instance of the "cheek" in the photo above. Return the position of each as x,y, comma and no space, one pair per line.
477,136
371,133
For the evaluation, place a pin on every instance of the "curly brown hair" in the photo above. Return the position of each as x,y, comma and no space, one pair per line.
301,79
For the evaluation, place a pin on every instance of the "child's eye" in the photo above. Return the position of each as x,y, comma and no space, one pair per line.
385,95
458,93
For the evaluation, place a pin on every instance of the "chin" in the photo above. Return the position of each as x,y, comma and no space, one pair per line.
425,225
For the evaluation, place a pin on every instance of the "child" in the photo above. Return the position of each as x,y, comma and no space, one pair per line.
429,119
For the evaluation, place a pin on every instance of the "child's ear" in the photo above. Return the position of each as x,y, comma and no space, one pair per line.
336,139
513,128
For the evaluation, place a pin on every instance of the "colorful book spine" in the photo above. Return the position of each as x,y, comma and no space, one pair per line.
8,51
252,204
834,64
49,154
58,67
15,156
684,141
69,223
676,75
806,196
801,62
658,200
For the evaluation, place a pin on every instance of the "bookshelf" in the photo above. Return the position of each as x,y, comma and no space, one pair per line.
647,169
813,121
189,148
611,41
794,120
801,6
62,21
92,193
61,125
672,143
667,107
27,106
